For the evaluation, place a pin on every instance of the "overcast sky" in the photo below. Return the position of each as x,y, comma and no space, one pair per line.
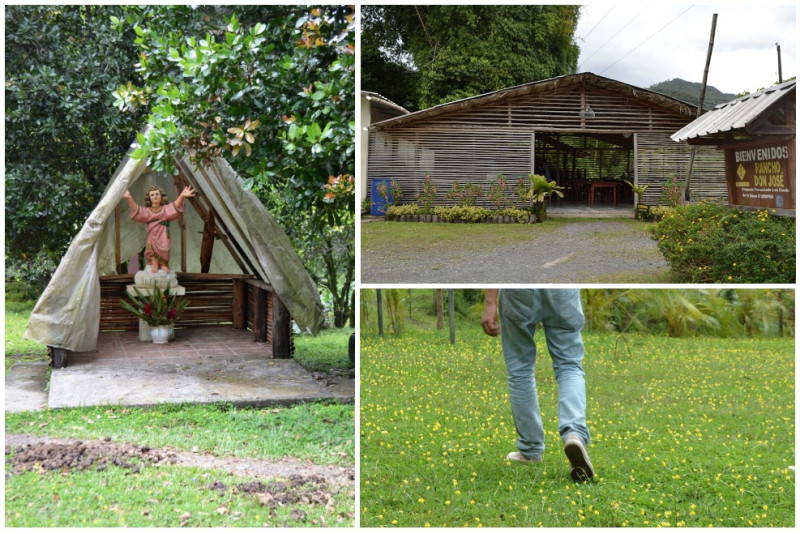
646,43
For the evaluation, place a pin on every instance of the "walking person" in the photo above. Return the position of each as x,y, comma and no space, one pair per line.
561,314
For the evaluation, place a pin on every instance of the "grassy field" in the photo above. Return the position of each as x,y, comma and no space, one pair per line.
686,432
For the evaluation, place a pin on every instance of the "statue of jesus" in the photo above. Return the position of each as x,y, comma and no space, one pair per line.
156,214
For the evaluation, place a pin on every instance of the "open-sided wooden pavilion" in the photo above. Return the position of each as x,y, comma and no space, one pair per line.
236,263
579,130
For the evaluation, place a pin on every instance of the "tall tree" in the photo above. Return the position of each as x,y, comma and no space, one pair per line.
63,139
458,51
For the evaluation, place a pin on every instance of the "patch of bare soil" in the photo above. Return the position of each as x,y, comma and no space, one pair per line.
37,453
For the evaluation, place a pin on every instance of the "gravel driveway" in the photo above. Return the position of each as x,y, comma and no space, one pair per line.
567,251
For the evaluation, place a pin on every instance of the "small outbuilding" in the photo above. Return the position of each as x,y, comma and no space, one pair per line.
588,133
374,108
756,133
236,263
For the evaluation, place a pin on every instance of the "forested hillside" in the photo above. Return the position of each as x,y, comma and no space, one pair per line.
689,92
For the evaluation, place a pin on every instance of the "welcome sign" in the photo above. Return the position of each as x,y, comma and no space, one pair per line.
761,175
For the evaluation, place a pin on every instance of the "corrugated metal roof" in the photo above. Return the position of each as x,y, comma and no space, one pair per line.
735,114
377,97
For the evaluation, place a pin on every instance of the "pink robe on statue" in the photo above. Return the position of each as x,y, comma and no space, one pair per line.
158,240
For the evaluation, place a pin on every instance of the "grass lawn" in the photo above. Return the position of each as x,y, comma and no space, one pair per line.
322,434
326,352
685,432
430,237
18,307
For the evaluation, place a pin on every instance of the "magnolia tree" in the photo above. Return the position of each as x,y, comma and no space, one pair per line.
272,90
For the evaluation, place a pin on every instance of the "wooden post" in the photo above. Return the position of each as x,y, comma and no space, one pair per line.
117,230
260,319
179,183
281,329
207,247
239,304
59,357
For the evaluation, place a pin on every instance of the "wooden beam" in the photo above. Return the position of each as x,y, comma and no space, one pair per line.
242,253
117,252
205,214
207,247
260,315
59,357
239,304
178,182
281,329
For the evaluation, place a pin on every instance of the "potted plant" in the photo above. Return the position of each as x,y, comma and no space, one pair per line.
540,188
639,191
158,309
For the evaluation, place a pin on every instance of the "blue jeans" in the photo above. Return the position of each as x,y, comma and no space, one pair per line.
560,312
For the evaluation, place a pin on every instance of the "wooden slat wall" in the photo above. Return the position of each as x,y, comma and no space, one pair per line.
659,158
209,295
462,156
477,143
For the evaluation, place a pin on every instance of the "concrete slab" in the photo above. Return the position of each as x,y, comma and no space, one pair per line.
152,382
204,365
25,387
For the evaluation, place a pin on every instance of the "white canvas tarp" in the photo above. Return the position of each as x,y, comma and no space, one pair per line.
67,314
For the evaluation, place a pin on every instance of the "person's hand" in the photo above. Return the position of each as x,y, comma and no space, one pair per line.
489,319
188,191
126,195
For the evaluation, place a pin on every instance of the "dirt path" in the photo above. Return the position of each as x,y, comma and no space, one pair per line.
38,452
582,251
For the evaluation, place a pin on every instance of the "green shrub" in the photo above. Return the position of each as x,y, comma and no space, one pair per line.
470,214
707,242
393,212
659,212
520,215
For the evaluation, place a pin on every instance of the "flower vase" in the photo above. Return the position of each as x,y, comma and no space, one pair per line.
161,333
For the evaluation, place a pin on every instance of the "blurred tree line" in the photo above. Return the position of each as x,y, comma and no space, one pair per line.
731,312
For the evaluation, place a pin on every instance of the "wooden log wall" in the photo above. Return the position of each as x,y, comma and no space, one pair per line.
474,143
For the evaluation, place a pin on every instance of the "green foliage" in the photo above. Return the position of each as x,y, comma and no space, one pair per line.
63,140
439,53
466,195
274,96
520,215
672,192
428,195
691,312
498,195
270,88
468,214
157,308
537,193
393,212
707,242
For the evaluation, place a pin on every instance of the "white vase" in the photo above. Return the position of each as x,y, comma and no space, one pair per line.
161,333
